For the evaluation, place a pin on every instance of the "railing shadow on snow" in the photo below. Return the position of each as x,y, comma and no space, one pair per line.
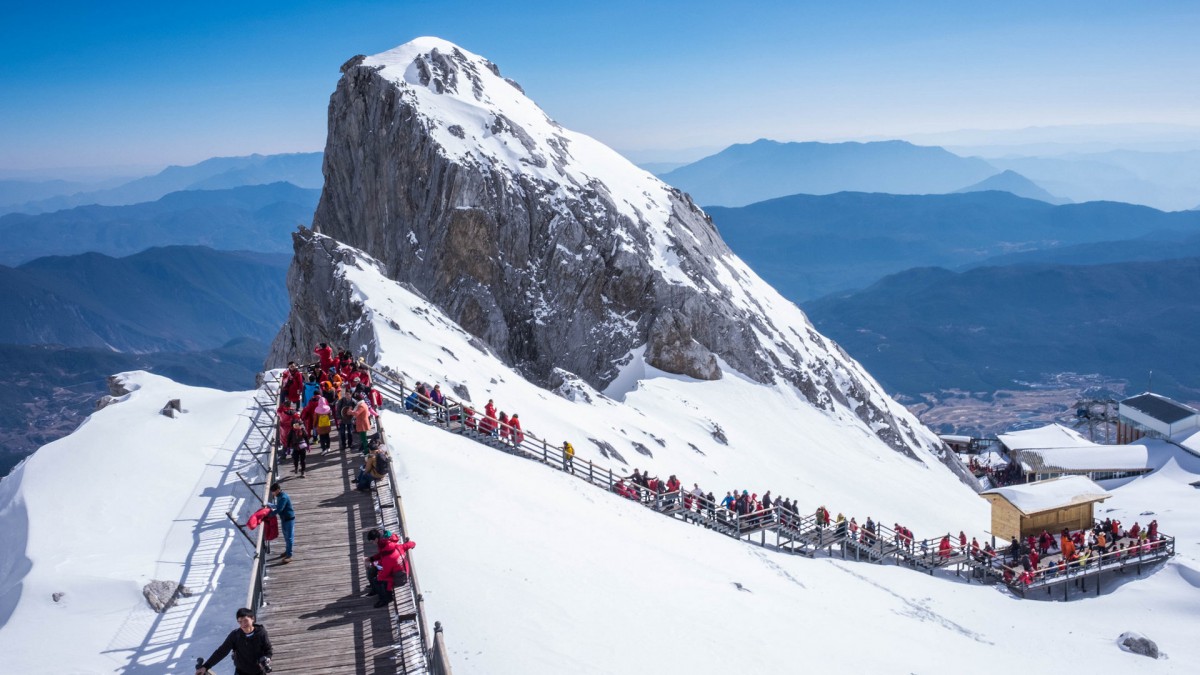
213,541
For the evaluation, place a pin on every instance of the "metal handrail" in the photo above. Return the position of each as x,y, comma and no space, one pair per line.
884,542
433,647
255,596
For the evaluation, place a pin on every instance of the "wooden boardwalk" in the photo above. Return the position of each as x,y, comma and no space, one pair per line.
315,609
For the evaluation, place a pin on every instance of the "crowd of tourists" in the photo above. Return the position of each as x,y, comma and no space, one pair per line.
431,403
1047,555
1020,564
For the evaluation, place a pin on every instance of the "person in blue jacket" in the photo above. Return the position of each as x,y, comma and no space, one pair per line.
281,505
311,388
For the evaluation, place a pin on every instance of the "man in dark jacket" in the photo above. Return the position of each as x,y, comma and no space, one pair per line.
344,412
250,646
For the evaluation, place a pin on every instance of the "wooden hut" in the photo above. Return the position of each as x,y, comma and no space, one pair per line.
1051,505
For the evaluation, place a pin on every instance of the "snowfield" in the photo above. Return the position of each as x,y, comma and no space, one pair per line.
129,497
532,571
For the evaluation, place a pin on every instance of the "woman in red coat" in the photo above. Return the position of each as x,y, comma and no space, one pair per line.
292,383
944,547
325,355
505,430
309,415
489,423
393,569
518,436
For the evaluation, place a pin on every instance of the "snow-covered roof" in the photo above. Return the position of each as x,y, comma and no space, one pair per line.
1093,457
1055,493
954,438
1049,436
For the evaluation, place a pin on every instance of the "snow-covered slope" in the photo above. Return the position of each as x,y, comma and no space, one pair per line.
531,571
129,497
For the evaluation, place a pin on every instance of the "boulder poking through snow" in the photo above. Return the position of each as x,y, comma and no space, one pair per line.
1138,644
162,595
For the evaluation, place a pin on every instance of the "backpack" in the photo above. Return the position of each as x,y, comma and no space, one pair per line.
382,464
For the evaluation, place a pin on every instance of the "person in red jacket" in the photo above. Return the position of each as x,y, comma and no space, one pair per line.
673,486
944,547
505,429
286,414
309,416
391,567
291,384
325,355
488,424
518,436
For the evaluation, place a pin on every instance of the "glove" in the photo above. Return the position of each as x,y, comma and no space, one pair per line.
265,662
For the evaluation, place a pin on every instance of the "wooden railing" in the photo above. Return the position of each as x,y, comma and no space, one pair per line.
793,533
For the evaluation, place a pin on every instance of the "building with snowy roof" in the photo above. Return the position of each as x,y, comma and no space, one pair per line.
956,442
1054,450
1154,416
1050,505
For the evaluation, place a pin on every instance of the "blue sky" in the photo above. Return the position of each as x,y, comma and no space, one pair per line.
139,83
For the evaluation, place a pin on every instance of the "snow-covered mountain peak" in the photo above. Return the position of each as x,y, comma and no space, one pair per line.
478,116
558,253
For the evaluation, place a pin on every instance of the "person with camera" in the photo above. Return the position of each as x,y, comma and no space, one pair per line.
249,644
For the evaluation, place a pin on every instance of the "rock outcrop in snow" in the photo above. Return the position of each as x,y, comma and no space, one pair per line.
548,246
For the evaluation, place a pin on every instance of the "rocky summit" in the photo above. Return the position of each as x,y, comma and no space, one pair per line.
551,248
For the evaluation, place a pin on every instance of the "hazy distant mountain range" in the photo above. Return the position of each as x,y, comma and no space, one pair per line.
1015,184
808,245
930,329
175,298
255,217
753,172
747,173
196,315
1165,180
300,169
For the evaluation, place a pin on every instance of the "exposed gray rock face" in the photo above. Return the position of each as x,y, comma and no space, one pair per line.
323,308
672,348
493,217
116,386
162,595
1138,644
116,393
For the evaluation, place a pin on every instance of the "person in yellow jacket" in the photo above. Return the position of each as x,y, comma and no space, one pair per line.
568,457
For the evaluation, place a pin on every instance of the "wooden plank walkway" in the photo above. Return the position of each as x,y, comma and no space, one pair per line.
315,610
